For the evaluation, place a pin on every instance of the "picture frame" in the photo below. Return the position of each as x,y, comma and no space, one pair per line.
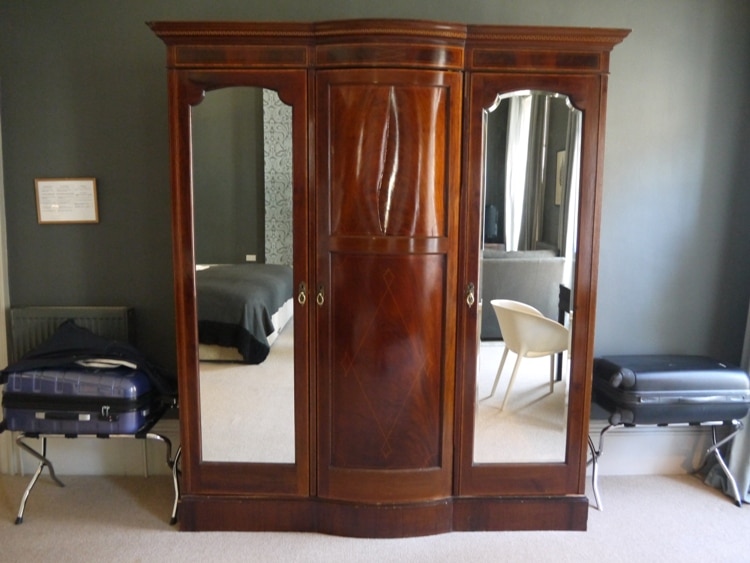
560,176
66,200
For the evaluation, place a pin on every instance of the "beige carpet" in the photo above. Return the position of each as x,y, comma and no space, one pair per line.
532,426
124,519
248,410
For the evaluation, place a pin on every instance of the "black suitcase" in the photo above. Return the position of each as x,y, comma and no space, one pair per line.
669,389
79,401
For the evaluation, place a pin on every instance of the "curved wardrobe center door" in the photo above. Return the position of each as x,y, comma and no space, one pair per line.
527,258
242,190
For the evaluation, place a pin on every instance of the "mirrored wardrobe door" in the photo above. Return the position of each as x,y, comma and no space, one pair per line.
527,257
242,193
248,202
522,395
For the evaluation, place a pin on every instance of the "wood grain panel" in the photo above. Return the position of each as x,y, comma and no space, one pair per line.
387,149
241,56
394,55
531,60
386,372
387,249
520,513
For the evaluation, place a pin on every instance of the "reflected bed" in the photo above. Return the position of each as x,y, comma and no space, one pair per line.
241,309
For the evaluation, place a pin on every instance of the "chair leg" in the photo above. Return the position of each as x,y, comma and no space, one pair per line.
552,374
499,371
512,379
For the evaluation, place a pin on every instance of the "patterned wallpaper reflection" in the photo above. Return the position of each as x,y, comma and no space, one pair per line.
277,141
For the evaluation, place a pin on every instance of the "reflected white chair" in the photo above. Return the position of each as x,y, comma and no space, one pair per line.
529,334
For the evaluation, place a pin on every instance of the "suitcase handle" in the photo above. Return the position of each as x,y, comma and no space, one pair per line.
61,415
698,400
104,416
711,399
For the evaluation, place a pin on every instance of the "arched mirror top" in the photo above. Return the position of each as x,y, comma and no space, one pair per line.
198,84
550,94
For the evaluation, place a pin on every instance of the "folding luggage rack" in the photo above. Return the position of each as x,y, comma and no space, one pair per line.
736,426
664,390
30,326
144,434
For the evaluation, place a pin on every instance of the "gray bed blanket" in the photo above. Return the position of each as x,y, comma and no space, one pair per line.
235,305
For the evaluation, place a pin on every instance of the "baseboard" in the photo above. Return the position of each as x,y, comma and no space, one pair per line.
650,450
641,450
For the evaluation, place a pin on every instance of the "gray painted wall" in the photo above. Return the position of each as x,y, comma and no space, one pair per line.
228,176
83,93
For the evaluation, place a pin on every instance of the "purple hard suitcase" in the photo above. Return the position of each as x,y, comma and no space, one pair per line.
80,401
668,389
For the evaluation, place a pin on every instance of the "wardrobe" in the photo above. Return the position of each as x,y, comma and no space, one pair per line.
388,134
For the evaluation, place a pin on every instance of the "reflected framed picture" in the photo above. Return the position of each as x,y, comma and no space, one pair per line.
560,181
66,200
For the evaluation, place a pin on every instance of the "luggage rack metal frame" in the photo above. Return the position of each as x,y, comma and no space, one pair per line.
172,463
736,425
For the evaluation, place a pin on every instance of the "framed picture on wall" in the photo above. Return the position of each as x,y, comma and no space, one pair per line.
66,200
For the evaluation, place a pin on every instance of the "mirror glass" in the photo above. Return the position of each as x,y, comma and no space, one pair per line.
527,255
242,200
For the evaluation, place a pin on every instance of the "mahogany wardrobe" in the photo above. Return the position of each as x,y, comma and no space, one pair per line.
405,174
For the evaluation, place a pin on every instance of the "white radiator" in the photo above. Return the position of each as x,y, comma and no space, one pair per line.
30,326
